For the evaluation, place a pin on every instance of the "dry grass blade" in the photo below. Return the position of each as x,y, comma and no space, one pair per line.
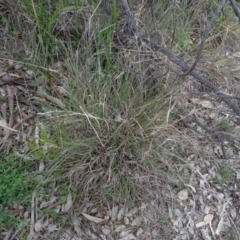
8,235
87,116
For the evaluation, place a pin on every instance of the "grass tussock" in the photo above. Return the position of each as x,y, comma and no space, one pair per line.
110,127
115,105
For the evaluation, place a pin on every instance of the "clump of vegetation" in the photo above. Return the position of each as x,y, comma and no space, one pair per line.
47,145
16,182
226,174
16,186
117,121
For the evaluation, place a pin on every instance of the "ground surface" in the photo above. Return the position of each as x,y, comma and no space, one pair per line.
100,141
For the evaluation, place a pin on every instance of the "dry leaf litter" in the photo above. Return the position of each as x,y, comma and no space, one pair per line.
205,208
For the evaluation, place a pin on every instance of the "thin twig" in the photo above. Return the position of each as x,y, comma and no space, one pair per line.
156,46
204,38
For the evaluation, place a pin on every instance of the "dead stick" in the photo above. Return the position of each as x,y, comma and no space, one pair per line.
230,102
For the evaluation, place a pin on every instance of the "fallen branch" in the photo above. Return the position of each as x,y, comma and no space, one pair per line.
235,8
130,25
178,61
